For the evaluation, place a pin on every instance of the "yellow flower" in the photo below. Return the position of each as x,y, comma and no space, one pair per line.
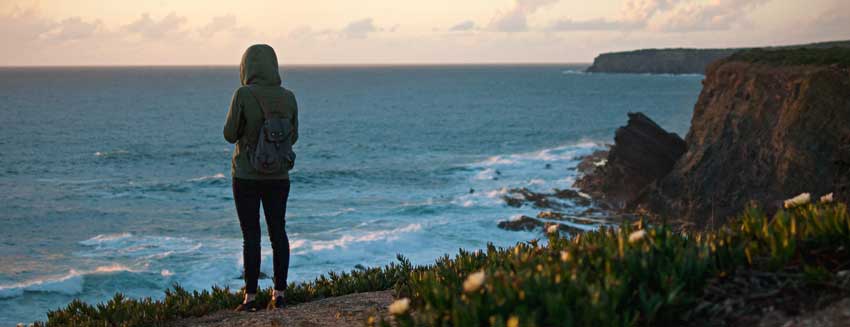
637,236
826,198
798,200
400,306
565,256
473,282
513,321
552,229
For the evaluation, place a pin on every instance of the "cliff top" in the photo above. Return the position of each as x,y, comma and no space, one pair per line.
795,56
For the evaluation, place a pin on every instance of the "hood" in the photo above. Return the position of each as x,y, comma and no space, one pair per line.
259,66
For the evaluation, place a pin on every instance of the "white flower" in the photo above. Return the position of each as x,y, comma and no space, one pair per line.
399,307
473,282
637,236
826,198
798,200
552,229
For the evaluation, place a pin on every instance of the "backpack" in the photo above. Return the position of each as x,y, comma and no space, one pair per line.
273,152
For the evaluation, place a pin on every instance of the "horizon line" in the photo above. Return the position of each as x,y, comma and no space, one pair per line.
400,64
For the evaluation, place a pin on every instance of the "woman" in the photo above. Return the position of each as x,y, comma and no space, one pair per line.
260,98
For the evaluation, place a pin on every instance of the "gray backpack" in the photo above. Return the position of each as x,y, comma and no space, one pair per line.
273,152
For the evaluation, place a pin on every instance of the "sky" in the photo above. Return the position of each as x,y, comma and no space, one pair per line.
216,32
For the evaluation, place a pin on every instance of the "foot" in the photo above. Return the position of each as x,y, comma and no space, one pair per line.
277,303
250,306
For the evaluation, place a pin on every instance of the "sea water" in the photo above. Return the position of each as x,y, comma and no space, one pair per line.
118,179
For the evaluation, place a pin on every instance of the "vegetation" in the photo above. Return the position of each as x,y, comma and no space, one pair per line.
179,303
631,275
622,276
795,56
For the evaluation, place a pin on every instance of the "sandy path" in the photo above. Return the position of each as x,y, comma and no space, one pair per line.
347,310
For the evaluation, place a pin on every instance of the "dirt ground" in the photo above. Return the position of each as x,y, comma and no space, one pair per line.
347,310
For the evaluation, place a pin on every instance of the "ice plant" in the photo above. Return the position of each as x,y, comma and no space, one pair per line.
637,236
826,198
801,199
399,307
473,282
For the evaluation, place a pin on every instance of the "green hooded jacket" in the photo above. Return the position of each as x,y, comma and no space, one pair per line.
259,72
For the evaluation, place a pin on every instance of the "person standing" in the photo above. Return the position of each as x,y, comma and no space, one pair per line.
263,123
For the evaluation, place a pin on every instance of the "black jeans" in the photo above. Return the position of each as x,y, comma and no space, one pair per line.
273,194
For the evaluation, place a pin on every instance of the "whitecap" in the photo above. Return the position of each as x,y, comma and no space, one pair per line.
69,284
210,177
346,240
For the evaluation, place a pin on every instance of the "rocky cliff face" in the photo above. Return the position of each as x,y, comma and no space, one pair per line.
642,153
762,132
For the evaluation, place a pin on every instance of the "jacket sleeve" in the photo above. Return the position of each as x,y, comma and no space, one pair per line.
234,123
295,122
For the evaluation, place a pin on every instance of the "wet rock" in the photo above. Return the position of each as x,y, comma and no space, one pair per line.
573,196
524,223
589,163
519,196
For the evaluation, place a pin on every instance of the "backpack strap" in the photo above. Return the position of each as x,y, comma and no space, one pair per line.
267,114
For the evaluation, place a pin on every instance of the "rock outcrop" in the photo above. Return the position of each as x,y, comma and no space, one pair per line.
642,153
767,126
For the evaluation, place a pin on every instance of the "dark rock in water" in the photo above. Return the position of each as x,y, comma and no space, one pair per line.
643,152
589,163
563,228
551,215
574,196
525,223
548,166
519,196
760,132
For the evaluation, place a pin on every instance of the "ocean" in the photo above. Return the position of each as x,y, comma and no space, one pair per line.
117,179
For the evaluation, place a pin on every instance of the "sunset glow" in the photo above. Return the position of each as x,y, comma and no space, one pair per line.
194,32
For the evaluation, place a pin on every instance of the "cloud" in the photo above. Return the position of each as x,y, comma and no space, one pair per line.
74,28
667,16
23,26
597,24
359,29
516,19
466,25
713,16
832,23
218,24
150,28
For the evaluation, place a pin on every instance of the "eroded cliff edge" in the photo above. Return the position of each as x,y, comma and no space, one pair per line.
768,125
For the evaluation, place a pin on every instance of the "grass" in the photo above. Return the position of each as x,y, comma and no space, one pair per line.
795,56
634,275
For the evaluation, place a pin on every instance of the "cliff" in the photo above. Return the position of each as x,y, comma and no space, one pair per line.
658,61
768,125
676,61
